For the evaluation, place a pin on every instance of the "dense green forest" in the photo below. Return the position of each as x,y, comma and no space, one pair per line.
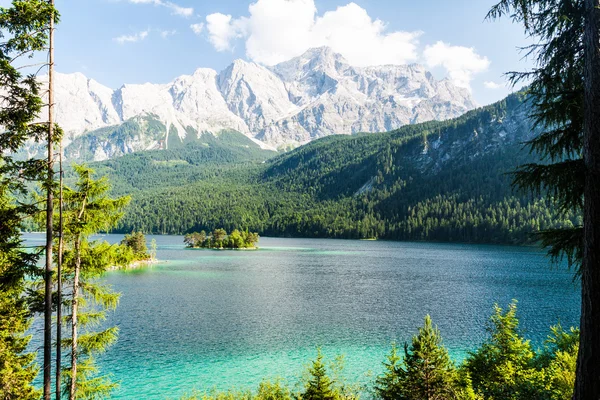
441,181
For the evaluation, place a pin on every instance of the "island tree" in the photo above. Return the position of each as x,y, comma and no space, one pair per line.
219,239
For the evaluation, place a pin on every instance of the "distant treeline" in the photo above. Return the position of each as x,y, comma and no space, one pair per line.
438,181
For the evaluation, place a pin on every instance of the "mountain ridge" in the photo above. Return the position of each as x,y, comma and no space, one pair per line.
314,95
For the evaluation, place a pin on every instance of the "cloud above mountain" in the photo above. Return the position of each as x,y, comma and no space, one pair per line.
460,62
277,30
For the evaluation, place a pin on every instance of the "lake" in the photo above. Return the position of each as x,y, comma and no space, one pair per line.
220,319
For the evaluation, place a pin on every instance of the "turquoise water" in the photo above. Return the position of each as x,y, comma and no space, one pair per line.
220,319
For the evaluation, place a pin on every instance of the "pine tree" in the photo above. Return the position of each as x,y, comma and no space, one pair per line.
503,367
389,385
23,30
17,368
565,92
319,386
428,372
88,209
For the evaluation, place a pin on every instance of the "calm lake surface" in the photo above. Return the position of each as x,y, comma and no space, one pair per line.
219,319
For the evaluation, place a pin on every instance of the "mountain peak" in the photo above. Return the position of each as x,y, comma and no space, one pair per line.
315,94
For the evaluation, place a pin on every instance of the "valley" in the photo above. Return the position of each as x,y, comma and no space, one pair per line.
436,181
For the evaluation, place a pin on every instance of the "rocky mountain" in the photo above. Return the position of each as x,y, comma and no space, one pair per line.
311,96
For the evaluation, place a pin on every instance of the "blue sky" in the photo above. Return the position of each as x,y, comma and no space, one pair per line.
138,41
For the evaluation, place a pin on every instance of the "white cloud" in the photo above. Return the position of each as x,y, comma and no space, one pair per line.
460,62
136,37
167,33
493,85
197,28
175,9
222,29
277,30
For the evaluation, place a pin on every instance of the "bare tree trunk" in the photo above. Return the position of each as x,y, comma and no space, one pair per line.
73,388
49,227
587,382
59,277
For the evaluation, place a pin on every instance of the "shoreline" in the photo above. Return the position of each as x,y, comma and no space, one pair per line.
136,265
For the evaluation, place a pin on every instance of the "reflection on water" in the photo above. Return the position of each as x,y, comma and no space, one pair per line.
205,318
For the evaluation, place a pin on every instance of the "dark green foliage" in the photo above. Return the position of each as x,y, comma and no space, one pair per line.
389,386
219,239
426,371
556,92
429,373
17,368
23,33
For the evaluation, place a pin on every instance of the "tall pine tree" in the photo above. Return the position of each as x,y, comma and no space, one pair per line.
23,30
87,211
565,91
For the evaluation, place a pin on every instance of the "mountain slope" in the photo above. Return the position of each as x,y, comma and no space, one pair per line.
308,97
430,181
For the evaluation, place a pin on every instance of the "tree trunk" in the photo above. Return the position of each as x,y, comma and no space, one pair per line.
59,277
49,227
587,382
73,388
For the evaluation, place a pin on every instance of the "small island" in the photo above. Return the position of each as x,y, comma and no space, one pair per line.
132,252
219,239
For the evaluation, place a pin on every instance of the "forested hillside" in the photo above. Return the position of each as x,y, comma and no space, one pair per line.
443,181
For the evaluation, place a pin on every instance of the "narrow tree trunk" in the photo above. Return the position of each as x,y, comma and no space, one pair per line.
587,382
73,388
59,276
49,228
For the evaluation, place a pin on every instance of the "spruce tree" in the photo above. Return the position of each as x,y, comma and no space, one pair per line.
17,368
428,372
425,373
23,30
565,93
503,367
88,210
319,385
389,385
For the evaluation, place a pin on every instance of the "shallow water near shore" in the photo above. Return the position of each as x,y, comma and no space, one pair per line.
221,319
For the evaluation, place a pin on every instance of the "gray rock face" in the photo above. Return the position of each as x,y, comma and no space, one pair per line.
311,96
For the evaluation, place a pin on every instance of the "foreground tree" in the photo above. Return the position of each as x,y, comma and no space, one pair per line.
88,210
17,369
565,90
319,386
389,385
587,382
558,360
503,367
24,32
425,373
